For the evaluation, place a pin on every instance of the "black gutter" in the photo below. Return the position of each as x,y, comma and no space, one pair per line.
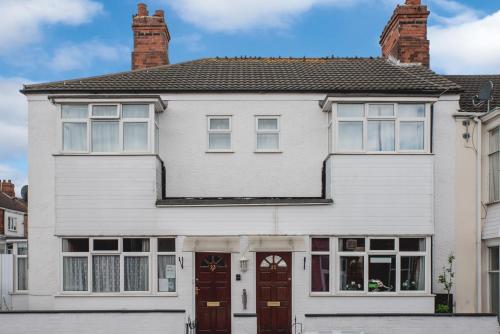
89,311
443,315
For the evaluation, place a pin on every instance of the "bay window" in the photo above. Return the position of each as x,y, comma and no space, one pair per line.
106,128
381,127
493,269
219,133
113,265
371,265
494,157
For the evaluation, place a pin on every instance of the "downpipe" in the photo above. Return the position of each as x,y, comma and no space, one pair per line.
478,212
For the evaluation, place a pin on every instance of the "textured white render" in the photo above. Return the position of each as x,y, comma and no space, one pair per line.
113,195
20,224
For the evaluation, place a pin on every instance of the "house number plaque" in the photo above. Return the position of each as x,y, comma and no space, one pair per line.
213,304
273,304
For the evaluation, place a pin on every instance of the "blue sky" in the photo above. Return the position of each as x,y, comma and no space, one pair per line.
45,40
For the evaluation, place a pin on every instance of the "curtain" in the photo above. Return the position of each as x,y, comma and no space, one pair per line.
381,135
135,111
74,136
106,273
494,176
80,111
411,135
135,137
75,273
166,273
268,141
267,124
350,136
320,273
104,111
105,136
219,123
351,273
219,141
22,273
136,273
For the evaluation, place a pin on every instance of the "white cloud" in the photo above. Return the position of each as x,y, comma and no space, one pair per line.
22,20
242,15
82,56
469,46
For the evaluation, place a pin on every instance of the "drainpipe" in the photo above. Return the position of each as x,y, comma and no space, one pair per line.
478,212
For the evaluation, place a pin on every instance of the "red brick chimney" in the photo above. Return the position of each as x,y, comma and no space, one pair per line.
151,38
405,36
7,187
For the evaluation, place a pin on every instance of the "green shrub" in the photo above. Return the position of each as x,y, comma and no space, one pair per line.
442,308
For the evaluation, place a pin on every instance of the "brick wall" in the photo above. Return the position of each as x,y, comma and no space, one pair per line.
2,223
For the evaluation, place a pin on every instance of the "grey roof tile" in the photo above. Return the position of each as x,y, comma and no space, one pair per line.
471,85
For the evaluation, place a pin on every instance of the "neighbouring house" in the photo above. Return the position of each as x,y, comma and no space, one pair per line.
251,193
478,182
13,248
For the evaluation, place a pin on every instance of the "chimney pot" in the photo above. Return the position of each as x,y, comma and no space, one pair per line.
142,9
413,2
7,187
159,13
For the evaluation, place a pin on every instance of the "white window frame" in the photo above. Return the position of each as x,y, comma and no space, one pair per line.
490,156
152,255
16,273
276,131
12,224
220,131
151,122
395,118
336,254
331,255
490,271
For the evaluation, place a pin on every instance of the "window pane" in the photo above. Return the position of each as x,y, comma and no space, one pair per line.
412,273
22,273
135,111
105,111
350,136
382,244
411,135
495,140
412,244
320,273
494,292
22,248
136,275
320,244
493,258
381,273
166,245
135,137
166,273
268,141
381,110
219,141
136,245
381,136
411,110
75,111
105,136
75,245
351,273
74,137
219,123
106,273
350,110
75,273
352,245
494,176
267,124
105,245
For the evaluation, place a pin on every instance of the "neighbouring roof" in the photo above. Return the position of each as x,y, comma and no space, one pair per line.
15,204
375,75
471,85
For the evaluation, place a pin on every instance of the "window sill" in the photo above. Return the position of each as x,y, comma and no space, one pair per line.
19,293
373,294
219,151
381,153
118,294
118,154
492,203
270,151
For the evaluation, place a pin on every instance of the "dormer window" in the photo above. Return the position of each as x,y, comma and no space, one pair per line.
382,127
106,128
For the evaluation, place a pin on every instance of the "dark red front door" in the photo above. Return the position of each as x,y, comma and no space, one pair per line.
274,293
213,293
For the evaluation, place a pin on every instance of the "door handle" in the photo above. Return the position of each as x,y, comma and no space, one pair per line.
196,290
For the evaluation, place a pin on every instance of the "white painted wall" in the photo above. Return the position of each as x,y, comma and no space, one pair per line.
20,223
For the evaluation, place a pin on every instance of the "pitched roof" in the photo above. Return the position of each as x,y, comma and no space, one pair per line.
471,85
376,75
7,202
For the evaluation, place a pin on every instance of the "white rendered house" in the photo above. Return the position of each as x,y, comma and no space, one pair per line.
246,192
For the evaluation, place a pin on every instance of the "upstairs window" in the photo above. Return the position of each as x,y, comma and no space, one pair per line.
494,157
219,133
106,128
12,224
381,127
268,133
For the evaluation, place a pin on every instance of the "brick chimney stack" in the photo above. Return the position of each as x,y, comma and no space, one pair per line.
151,38
7,187
405,36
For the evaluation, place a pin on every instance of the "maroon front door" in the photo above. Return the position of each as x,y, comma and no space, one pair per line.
213,293
274,293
